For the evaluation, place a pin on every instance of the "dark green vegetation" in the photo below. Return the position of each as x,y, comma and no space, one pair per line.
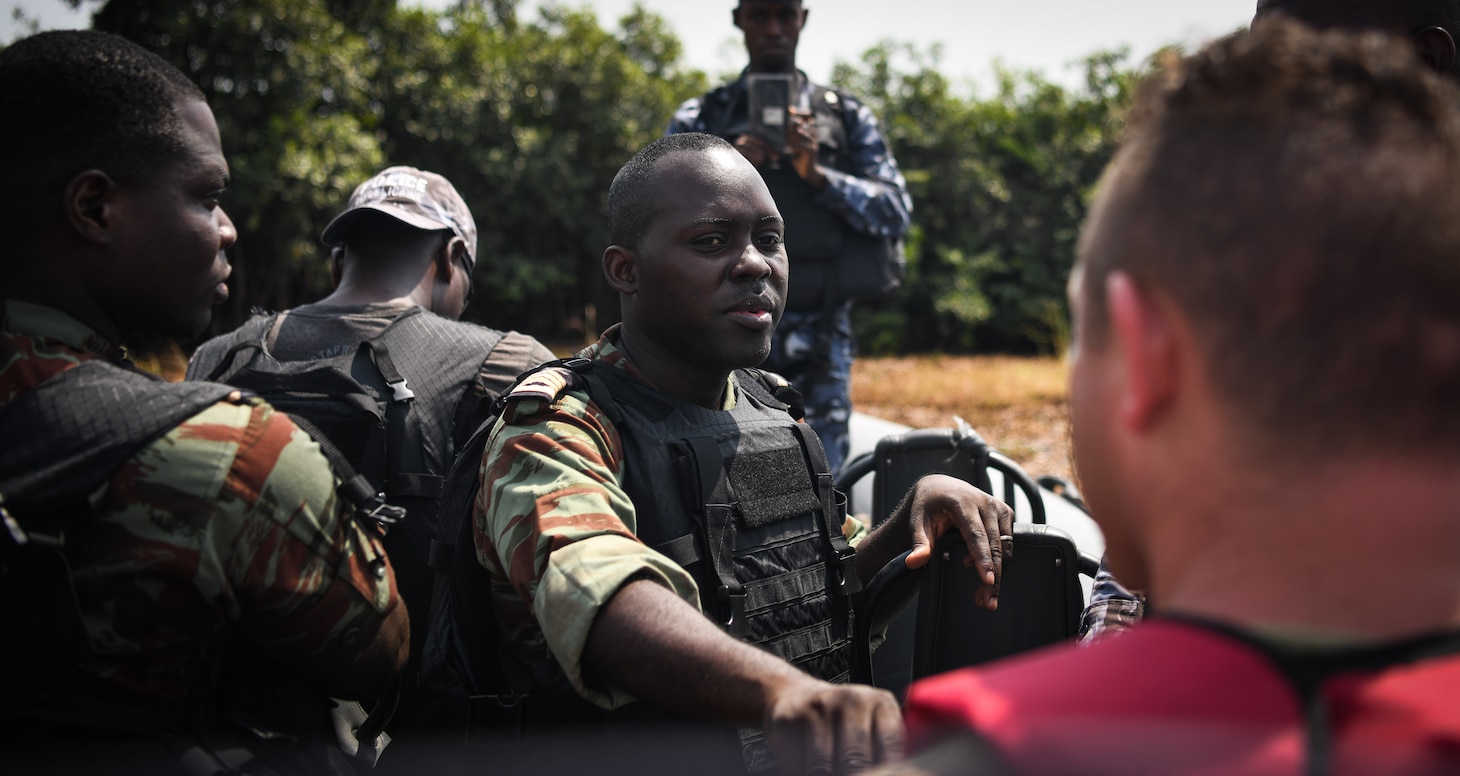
530,118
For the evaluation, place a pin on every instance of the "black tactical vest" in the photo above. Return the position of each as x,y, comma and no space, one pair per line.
743,500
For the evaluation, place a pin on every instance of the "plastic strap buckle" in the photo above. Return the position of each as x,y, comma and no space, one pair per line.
849,583
401,391
734,602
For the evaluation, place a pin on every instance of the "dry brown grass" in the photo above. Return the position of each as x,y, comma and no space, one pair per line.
1017,404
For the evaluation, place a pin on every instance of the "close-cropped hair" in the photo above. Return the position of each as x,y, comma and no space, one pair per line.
1406,16
74,100
631,197
1296,195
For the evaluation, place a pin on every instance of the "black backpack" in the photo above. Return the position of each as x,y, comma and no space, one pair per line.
380,404
460,656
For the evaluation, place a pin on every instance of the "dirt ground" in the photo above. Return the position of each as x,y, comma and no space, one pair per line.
1017,404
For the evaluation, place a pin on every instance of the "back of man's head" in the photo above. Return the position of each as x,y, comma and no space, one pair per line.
1295,194
1433,25
75,100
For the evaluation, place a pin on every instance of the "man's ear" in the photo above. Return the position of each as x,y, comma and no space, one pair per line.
1437,48
444,255
337,265
621,269
87,206
1150,351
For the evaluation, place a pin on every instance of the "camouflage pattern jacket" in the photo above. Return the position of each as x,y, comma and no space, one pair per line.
555,529
222,540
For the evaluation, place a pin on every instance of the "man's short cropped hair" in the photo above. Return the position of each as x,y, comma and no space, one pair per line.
1399,15
631,198
74,100
1297,195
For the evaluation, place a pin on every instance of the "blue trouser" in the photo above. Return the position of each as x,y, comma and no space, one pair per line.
825,381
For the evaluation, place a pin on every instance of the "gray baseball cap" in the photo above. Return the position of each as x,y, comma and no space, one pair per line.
422,199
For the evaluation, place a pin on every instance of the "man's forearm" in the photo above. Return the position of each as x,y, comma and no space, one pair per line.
648,642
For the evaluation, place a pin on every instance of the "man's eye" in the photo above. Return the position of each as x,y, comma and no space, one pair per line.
710,241
770,239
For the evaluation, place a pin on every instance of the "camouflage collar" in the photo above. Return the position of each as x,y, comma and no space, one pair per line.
50,323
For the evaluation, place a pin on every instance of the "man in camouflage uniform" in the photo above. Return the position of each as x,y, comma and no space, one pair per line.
701,272
216,552
840,176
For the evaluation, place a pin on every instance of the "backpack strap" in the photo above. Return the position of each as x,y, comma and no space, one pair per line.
720,531
477,401
388,456
251,336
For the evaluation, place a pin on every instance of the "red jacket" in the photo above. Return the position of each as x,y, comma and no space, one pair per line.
1174,697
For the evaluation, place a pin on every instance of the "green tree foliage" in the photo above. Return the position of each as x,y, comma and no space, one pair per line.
999,186
287,81
530,120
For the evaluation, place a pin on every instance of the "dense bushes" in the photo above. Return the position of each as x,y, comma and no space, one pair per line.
531,118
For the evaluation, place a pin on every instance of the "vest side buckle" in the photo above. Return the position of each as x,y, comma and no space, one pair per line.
848,581
733,601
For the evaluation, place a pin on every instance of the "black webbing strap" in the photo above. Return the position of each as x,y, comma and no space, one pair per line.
354,488
843,560
397,482
684,550
798,584
842,563
807,641
720,530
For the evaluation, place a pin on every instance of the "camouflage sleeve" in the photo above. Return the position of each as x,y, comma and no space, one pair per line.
241,503
552,518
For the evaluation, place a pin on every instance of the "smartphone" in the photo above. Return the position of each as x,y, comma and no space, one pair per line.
770,107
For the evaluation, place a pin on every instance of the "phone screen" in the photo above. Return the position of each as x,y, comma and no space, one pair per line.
770,103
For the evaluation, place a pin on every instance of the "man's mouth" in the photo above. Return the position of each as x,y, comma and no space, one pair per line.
754,312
